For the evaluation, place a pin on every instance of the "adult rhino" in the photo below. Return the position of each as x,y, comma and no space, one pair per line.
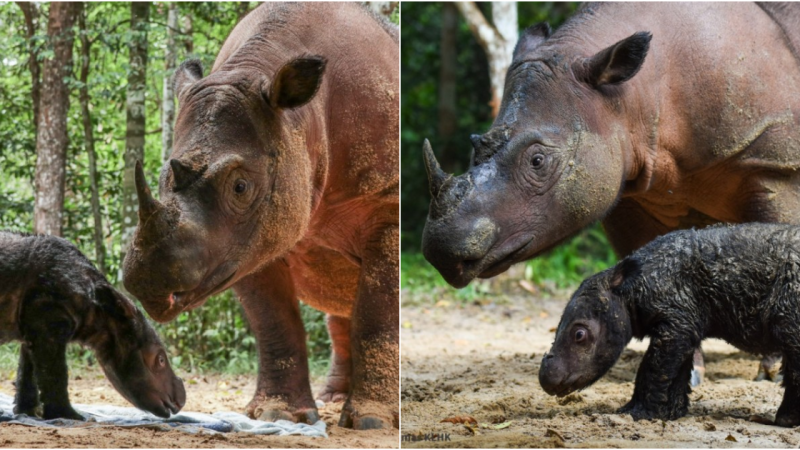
283,184
650,117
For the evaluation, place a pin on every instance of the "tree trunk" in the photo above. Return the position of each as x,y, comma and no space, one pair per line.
135,118
497,40
88,138
448,60
188,29
52,139
31,13
168,100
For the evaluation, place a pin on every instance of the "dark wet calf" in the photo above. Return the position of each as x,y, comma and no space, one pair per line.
50,294
737,283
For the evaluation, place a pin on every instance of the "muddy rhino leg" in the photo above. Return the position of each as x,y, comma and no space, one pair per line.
373,400
27,398
788,414
283,390
662,380
338,384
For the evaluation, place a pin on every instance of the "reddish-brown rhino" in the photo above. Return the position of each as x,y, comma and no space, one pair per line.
649,117
283,184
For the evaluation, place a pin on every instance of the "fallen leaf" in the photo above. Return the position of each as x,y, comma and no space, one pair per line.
710,426
500,426
442,304
528,286
544,315
552,330
460,419
731,438
554,434
406,324
472,430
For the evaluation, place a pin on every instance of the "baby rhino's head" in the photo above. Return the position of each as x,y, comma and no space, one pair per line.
134,359
593,331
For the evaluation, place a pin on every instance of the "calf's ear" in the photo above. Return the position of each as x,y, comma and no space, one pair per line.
295,84
615,64
114,303
623,272
188,72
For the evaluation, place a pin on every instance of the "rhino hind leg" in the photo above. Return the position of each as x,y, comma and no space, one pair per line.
26,400
338,383
373,399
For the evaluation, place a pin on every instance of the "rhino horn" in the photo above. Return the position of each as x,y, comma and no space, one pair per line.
436,176
147,204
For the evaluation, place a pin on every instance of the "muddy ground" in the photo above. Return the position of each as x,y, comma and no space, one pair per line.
206,394
481,359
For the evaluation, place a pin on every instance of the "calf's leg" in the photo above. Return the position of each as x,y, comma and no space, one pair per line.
788,414
26,400
662,381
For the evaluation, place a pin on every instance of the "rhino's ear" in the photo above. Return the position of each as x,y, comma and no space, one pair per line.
617,63
295,83
531,38
627,269
188,72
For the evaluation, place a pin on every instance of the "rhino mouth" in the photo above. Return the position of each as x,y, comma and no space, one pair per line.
523,253
219,280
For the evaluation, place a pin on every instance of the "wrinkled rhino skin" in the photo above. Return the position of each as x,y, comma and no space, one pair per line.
283,184
50,294
738,283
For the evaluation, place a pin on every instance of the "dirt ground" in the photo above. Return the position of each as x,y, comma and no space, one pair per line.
481,359
206,394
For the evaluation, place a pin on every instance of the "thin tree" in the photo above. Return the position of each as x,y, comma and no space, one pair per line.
31,13
448,61
497,39
135,117
88,138
52,138
168,100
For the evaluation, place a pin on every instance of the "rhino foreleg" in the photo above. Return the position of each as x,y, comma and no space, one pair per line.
373,399
338,384
283,390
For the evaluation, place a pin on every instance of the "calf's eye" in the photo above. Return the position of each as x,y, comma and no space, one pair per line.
580,335
537,161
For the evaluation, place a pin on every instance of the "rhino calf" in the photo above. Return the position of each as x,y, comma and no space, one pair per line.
51,294
738,283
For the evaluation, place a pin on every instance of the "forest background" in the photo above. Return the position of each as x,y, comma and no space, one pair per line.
85,92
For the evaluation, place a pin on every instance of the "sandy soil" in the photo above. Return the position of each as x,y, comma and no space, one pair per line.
482,359
206,394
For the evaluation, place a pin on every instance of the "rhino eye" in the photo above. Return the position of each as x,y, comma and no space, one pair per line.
537,161
240,187
161,361
580,335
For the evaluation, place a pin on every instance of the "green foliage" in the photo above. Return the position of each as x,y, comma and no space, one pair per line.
568,264
215,336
